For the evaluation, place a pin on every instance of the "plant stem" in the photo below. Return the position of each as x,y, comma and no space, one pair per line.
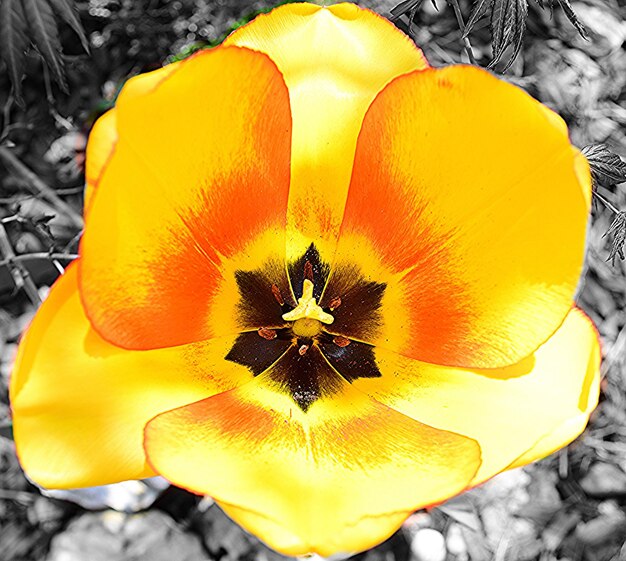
606,203
21,496
466,41
39,255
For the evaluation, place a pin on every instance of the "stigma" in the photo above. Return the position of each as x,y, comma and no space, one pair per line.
307,316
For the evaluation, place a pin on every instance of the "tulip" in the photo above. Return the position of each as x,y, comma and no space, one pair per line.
320,281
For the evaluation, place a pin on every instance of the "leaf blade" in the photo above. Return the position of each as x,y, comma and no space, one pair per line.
46,37
520,29
607,168
13,41
500,21
66,11
508,24
479,10
404,7
571,15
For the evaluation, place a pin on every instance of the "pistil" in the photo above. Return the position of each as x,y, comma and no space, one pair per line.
307,309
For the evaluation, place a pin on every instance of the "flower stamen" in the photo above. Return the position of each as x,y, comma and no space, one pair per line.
334,303
308,271
277,294
341,341
267,333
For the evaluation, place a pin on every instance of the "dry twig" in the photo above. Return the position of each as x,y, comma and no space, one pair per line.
37,186
20,274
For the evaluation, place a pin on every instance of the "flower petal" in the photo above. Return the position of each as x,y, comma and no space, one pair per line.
80,405
571,428
103,135
334,60
471,204
363,534
536,404
200,174
102,140
145,83
334,474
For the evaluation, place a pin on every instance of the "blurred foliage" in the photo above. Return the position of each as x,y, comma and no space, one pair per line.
507,19
147,28
25,23
508,22
198,45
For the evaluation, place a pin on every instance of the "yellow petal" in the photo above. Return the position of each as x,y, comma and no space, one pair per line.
102,140
145,83
363,534
103,135
472,206
572,427
308,463
334,60
80,404
200,174
541,403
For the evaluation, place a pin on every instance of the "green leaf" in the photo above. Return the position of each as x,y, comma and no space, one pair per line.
500,27
65,9
607,168
405,7
571,15
618,231
478,12
520,27
569,12
45,36
13,42
508,23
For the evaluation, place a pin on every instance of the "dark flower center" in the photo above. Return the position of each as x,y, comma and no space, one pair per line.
305,347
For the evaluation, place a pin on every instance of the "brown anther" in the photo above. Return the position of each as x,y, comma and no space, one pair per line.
308,271
303,349
341,341
267,333
334,303
278,295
